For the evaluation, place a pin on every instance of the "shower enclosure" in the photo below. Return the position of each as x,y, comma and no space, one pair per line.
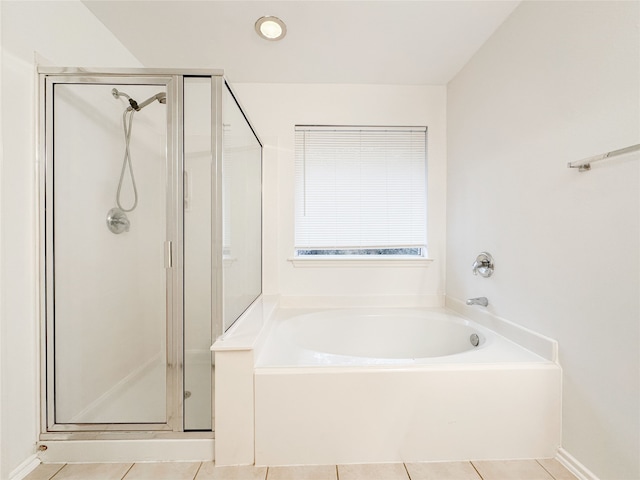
150,201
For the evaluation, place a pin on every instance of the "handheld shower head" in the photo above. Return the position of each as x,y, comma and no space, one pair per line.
117,94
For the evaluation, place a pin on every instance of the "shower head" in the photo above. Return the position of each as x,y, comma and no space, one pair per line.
117,94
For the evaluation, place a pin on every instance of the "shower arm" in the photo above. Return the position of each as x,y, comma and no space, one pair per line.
160,97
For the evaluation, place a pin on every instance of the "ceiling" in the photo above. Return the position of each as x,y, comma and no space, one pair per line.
419,42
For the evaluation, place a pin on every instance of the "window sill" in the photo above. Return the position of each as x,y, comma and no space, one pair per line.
364,261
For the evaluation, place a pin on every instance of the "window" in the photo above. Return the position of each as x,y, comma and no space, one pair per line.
360,191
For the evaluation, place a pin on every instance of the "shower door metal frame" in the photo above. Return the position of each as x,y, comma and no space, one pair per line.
172,79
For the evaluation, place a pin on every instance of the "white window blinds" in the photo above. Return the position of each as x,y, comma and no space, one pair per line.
360,187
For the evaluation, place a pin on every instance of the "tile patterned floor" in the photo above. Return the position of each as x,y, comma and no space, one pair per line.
546,469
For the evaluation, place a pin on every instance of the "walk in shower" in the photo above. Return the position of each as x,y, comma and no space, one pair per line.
150,201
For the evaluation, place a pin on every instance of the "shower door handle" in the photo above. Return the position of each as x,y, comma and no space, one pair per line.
168,257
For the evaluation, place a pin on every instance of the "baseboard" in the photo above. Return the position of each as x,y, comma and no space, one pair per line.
25,468
574,466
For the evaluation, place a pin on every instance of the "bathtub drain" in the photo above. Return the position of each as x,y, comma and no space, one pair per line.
474,339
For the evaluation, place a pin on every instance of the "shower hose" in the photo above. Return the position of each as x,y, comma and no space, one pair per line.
127,161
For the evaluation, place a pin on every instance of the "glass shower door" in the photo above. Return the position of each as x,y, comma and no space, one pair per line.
108,258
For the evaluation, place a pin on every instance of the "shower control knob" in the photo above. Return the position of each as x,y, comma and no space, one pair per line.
117,221
483,265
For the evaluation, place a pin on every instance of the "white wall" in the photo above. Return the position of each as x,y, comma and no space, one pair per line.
29,27
274,110
2,361
559,81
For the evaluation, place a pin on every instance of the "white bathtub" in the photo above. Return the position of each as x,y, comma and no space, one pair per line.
378,337
393,385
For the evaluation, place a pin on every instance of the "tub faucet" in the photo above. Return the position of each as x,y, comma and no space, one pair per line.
478,301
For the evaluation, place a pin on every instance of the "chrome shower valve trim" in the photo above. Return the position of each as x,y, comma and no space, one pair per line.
483,265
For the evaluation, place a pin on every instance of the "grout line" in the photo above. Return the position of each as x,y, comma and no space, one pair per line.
474,467
58,471
198,471
406,470
266,475
337,473
128,470
550,474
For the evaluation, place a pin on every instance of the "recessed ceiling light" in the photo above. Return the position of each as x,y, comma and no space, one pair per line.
271,28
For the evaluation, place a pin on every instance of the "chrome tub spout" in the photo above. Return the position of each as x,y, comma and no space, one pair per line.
478,301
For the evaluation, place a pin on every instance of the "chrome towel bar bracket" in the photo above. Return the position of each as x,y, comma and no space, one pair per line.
584,165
